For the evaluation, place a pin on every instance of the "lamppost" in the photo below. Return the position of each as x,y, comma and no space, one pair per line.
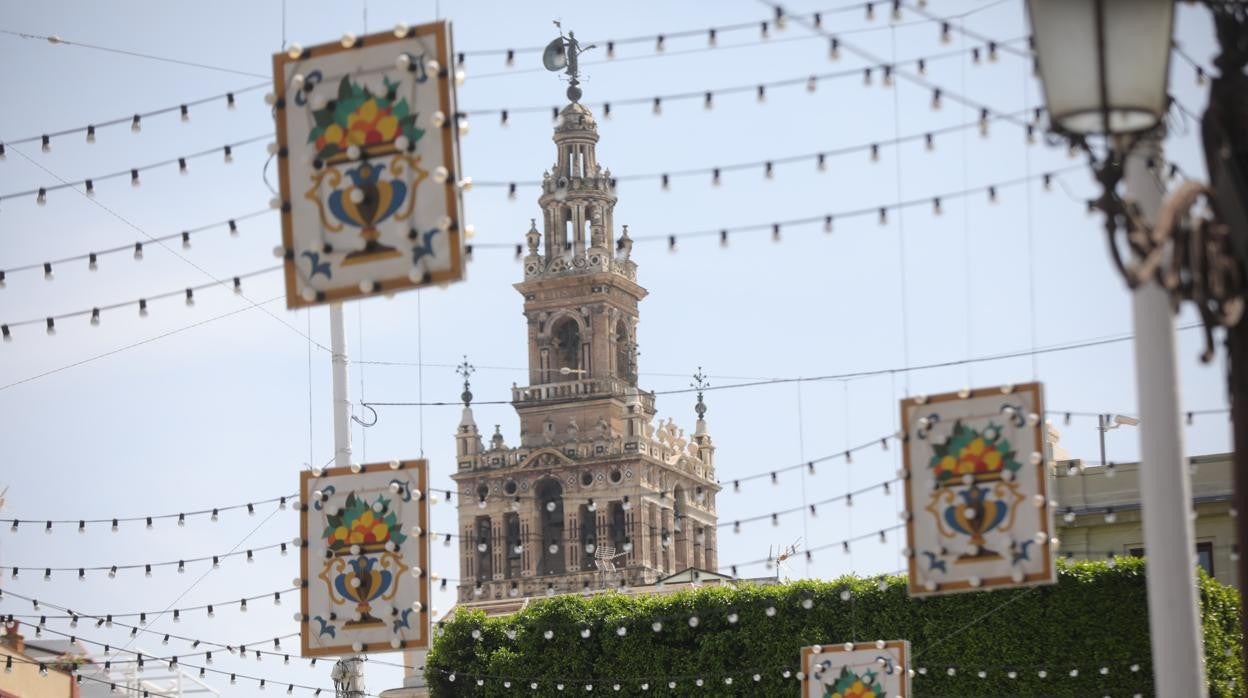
1104,66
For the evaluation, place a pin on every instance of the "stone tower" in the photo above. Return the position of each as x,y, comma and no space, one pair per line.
596,494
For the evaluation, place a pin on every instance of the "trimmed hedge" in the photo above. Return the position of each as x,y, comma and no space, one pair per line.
1096,616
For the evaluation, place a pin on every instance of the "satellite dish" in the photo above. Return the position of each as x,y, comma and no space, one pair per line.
555,56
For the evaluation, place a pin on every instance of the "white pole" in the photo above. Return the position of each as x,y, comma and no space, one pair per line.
342,451
1165,487
342,403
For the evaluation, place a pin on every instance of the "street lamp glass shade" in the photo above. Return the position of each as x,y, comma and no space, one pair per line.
1104,63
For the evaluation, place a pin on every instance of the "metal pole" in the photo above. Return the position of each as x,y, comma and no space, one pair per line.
350,668
1237,360
1165,487
342,402
1100,427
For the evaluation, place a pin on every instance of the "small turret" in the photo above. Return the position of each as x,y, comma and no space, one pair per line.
467,437
701,437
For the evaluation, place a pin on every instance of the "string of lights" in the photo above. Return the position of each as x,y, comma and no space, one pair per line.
947,28
174,663
884,70
1202,75
88,185
213,513
107,618
108,621
917,78
659,40
142,304
92,258
767,166
1056,670
147,567
1022,353
554,587
713,34
189,297
666,535
76,671
1190,415
828,220
810,82
136,120
139,343
109,664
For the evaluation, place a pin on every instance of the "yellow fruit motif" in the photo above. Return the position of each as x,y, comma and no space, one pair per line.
387,126
992,459
341,533
367,113
333,134
380,531
356,538
974,448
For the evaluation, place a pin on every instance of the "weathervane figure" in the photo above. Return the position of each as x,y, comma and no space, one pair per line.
562,54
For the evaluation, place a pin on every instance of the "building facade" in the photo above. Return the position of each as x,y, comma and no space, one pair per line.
595,494
1099,512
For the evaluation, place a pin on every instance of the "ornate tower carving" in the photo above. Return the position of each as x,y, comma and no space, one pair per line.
596,494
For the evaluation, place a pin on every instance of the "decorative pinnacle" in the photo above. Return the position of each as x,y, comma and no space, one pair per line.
466,370
700,382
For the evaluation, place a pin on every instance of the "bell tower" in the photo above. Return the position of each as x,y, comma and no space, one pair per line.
596,494
580,293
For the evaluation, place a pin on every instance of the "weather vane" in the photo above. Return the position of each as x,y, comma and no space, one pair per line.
466,370
562,54
701,384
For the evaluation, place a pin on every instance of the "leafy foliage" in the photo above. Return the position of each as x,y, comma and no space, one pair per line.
971,452
359,117
358,523
1097,615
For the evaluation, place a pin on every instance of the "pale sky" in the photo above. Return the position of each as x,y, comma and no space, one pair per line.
229,411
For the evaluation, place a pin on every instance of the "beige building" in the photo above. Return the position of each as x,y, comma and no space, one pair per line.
1098,512
31,673
595,494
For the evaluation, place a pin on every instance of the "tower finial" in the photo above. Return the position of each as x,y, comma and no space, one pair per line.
466,370
700,382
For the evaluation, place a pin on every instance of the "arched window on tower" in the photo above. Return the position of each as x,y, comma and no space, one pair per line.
682,524
587,231
485,549
566,340
624,353
549,495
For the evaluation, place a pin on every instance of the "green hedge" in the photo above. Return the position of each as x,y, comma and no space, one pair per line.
1096,616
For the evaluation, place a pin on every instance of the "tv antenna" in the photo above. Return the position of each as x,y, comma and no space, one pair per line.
781,556
562,54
